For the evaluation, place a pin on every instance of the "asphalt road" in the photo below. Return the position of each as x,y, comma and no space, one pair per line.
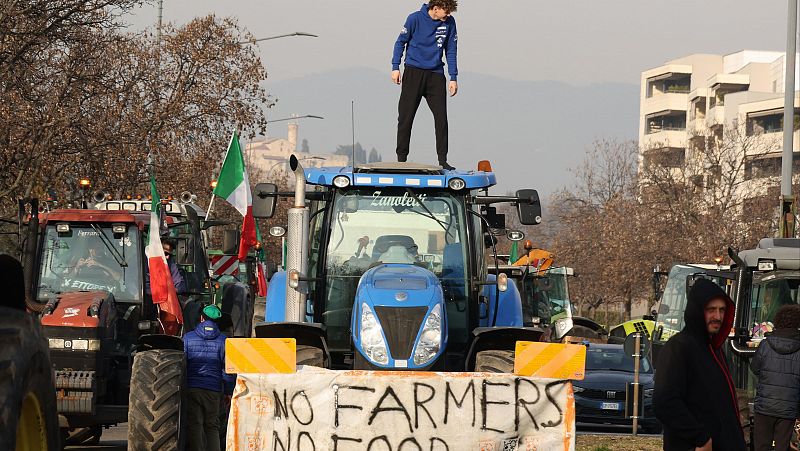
113,439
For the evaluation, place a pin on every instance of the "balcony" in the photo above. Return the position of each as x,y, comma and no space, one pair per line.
664,102
664,138
716,115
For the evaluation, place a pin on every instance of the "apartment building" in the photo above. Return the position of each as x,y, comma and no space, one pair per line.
689,100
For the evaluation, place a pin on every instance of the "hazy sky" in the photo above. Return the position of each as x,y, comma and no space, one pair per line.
510,52
578,42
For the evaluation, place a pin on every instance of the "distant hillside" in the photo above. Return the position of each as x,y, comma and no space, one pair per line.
532,132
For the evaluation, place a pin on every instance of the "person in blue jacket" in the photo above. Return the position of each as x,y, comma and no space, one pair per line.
207,380
426,35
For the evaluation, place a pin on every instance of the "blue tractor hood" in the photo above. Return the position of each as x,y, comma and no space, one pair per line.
403,299
383,284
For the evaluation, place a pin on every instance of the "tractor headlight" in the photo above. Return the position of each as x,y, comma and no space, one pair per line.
430,340
456,184
372,342
341,181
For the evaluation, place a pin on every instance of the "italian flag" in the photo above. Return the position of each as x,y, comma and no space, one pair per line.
234,186
162,290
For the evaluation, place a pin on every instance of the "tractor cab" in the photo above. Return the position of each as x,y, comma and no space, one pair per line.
388,268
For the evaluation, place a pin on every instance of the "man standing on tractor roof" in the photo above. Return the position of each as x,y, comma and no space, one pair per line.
426,34
206,379
694,396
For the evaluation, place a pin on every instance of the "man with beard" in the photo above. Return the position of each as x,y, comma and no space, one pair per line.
694,395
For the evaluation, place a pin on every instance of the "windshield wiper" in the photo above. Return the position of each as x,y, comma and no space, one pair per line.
430,213
121,261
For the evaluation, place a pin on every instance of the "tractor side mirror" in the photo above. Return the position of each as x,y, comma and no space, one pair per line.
264,200
528,207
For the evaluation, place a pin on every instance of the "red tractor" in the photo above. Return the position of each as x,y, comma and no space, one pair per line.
113,361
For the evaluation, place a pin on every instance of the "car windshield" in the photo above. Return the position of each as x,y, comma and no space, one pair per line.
613,359
390,225
80,259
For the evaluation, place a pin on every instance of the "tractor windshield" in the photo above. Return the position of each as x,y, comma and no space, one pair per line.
83,259
394,225
546,297
771,291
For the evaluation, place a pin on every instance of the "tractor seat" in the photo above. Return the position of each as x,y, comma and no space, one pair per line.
385,242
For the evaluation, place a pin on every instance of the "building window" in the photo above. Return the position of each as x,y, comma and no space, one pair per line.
768,167
769,123
670,122
668,157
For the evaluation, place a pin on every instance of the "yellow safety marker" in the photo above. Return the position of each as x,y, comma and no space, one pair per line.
552,360
260,355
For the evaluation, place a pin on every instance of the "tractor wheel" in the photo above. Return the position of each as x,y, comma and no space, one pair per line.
28,413
156,406
495,361
311,356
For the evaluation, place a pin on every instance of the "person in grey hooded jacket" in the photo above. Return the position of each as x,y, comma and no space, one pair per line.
777,366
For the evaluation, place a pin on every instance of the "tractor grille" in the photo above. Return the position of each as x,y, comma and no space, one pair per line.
75,391
401,326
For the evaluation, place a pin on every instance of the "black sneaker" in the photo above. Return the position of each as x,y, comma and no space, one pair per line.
444,165
402,159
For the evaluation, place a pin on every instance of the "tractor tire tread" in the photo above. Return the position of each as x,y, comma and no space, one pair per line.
156,400
310,356
495,361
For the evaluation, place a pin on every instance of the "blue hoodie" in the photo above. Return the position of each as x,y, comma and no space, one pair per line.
205,359
424,39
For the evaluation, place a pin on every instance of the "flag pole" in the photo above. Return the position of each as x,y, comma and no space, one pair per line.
210,206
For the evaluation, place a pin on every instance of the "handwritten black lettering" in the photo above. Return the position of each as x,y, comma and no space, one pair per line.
310,440
421,404
281,409
276,440
336,439
449,394
485,402
438,440
520,402
337,406
398,408
380,437
310,409
548,392
410,440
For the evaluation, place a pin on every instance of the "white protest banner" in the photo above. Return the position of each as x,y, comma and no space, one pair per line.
316,409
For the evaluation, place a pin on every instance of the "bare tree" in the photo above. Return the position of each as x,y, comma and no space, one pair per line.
79,97
698,199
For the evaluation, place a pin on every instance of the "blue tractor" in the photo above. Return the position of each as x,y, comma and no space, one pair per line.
386,269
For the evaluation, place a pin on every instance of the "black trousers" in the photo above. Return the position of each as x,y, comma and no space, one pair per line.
203,422
769,428
416,84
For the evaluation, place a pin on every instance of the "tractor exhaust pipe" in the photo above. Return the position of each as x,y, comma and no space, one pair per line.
297,248
300,182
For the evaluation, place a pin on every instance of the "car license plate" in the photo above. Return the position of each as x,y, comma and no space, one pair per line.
610,406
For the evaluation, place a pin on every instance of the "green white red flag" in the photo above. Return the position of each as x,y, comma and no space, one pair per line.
162,289
234,186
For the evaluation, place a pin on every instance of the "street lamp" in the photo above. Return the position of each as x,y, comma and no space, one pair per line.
296,33
310,116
